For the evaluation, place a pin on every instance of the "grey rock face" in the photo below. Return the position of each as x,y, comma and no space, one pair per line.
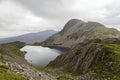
70,24
76,31
86,56
81,58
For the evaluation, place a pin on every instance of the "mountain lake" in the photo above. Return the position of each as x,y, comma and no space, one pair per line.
41,56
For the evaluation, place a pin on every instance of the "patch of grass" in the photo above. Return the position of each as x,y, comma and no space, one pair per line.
110,65
5,75
100,32
12,49
114,49
61,75
1,58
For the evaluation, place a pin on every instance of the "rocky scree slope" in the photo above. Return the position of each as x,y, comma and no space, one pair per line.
28,72
92,59
76,31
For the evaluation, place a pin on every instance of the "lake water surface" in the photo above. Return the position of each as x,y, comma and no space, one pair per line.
41,56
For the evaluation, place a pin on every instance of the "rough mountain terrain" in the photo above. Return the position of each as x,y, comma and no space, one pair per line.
98,59
13,66
76,31
94,55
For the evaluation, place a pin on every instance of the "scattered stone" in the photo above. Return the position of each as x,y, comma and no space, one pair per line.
27,71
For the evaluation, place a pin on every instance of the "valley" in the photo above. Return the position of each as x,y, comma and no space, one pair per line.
80,51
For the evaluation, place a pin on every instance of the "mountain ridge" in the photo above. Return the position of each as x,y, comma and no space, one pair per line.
30,37
76,31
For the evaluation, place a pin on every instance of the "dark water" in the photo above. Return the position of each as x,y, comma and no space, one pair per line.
41,56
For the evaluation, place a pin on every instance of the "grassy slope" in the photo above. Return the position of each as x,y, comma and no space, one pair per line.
99,32
62,75
11,49
110,66
5,75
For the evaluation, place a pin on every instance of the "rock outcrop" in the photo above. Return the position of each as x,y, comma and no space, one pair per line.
91,56
81,58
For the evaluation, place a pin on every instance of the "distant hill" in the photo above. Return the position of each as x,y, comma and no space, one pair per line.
76,31
30,38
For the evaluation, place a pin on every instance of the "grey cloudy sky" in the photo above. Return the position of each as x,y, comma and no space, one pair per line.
25,16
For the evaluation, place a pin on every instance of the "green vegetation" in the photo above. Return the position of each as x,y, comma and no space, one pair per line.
110,66
5,75
12,49
1,58
100,32
62,75
17,44
107,64
114,49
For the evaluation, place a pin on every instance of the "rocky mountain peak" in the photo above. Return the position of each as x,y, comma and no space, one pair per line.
74,21
76,31
76,24
71,23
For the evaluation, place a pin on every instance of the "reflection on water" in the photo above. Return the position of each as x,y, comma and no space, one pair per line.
40,56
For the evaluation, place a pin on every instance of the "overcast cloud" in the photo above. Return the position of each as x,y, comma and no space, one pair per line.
26,16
